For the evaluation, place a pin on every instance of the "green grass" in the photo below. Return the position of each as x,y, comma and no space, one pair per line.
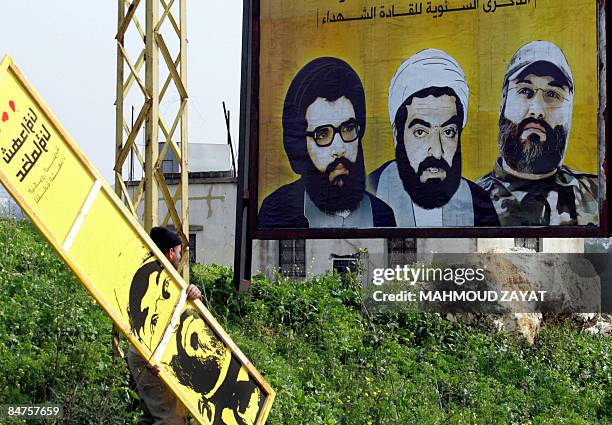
55,342
328,362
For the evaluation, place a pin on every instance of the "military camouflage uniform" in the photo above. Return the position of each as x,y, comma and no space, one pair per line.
568,197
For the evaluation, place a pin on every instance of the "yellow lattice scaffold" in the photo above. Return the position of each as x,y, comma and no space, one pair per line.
148,55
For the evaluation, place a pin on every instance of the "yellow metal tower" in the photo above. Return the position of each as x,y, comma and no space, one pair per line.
161,141
162,39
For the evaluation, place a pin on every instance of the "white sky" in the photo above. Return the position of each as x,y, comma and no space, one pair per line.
67,50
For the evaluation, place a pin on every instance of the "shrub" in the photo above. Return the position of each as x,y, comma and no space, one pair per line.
55,342
329,362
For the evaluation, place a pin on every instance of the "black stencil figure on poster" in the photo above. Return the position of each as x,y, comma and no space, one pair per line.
149,290
205,364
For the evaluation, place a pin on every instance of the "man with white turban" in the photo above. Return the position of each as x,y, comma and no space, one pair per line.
428,105
529,185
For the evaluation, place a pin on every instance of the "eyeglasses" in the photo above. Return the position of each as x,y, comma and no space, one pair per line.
324,135
551,96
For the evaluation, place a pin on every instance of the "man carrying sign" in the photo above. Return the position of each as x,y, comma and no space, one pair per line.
90,228
159,405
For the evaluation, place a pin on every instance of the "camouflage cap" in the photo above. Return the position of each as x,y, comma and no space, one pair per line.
538,51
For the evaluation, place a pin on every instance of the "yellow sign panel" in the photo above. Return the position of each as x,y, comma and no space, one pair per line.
116,261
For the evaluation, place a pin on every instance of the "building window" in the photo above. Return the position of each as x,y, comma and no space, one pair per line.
192,248
401,251
530,243
292,257
344,264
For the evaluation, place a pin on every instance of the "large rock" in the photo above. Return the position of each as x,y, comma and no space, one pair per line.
569,281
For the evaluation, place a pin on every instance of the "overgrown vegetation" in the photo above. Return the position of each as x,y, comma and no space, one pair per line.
55,342
328,361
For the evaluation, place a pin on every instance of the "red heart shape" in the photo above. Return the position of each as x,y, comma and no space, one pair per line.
12,105
4,117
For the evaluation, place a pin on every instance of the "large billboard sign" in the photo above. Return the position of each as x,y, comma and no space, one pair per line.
95,234
428,118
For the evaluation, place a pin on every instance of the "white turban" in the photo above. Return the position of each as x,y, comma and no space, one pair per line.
427,68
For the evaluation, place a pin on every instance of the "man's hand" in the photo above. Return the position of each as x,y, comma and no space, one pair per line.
154,369
193,293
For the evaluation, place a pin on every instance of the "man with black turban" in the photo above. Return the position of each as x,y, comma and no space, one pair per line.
324,120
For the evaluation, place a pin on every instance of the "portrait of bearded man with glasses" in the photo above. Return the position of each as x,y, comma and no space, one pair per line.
324,118
529,184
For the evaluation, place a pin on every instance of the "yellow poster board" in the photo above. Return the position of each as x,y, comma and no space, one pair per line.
337,80
79,214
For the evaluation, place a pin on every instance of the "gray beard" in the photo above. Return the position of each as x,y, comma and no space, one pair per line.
532,157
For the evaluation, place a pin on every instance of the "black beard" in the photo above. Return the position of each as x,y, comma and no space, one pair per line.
434,192
328,196
533,157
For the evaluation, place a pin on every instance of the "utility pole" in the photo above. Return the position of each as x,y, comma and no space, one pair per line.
165,24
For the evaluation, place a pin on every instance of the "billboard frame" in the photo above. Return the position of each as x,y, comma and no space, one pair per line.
247,201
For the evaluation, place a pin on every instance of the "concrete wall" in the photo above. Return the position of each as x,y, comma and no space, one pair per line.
559,245
550,245
212,206
265,258
319,254
427,247
489,244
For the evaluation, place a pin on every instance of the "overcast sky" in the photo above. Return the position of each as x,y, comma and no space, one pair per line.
67,50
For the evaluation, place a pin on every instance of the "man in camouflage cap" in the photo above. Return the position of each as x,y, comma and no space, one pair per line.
529,185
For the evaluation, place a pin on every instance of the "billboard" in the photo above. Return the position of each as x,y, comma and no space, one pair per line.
81,217
428,118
